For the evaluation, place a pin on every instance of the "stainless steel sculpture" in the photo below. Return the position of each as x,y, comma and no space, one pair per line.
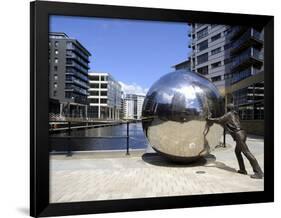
174,115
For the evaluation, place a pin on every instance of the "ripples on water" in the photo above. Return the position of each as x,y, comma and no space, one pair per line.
137,139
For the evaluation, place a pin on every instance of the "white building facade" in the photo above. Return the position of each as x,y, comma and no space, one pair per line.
132,106
104,96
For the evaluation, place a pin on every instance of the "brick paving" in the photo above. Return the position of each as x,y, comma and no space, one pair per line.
104,176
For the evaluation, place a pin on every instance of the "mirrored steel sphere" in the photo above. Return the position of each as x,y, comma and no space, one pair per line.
174,115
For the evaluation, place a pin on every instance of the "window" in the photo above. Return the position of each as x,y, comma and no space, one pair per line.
69,45
56,68
103,86
103,78
68,77
214,38
215,65
55,76
55,93
227,76
103,101
241,75
95,93
94,100
56,51
95,85
55,85
227,60
215,51
216,78
203,45
95,78
203,70
56,43
103,93
68,86
67,95
202,33
226,32
227,46
202,58
56,60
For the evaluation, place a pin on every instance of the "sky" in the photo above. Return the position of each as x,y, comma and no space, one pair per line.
136,53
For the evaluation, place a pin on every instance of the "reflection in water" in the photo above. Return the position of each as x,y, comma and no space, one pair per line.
137,139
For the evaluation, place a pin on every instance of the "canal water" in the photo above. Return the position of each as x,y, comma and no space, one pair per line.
137,139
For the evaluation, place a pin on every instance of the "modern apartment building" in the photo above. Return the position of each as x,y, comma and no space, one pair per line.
68,76
128,108
232,58
210,52
104,97
132,106
245,85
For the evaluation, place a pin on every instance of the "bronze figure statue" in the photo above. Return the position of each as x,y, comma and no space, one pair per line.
231,122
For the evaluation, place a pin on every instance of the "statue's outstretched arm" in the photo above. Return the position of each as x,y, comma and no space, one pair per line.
219,120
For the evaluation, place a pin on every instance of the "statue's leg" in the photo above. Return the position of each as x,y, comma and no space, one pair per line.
253,161
239,157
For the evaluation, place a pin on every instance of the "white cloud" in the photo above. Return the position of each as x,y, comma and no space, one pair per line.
133,88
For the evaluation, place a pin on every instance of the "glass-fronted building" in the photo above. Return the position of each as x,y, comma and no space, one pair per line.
68,76
232,58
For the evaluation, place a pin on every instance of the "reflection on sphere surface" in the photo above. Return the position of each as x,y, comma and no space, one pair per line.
174,115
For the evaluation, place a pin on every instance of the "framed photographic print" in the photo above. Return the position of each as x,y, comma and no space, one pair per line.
144,108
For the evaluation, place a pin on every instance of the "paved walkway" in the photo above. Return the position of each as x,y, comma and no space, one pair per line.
103,176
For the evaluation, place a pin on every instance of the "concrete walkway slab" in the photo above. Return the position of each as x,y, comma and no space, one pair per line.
90,177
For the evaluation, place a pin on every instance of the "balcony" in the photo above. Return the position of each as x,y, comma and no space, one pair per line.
238,76
237,31
78,82
73,56
241,75
249,57
81,83
81,100
249,38
71,63
74,48
73,72
74,88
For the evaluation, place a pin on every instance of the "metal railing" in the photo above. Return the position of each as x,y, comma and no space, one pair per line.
245,36
246,55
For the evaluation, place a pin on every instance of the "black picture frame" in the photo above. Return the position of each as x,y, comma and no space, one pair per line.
39,153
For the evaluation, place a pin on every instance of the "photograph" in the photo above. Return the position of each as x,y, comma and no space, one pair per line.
151,109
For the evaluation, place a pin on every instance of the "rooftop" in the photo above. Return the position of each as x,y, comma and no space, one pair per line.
62,35
182,63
